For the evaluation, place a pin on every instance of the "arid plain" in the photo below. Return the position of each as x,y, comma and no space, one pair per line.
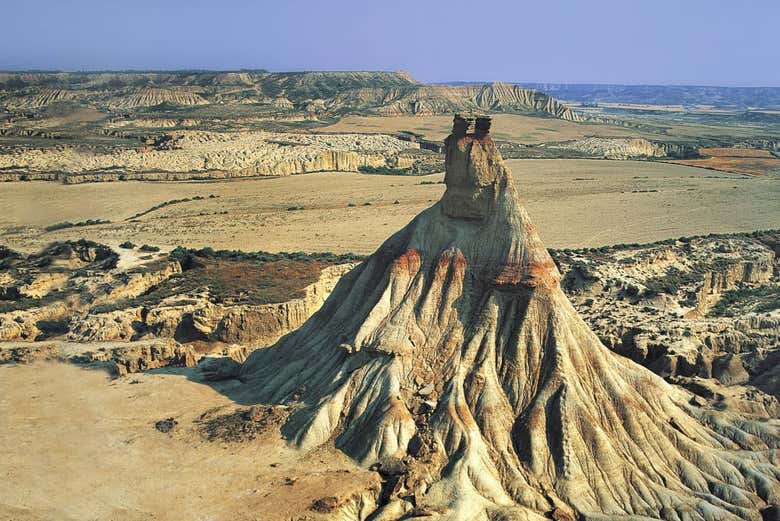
611,202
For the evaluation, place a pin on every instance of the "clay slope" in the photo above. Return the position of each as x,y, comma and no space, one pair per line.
445,99
454,347
151,96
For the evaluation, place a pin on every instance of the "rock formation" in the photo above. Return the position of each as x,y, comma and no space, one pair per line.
195,154
627,148
453,349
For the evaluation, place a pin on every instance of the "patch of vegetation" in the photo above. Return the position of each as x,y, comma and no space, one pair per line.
294,208
181,253
169,203
760,299
386,170
431,183
672,281
149,248
770,238
68,224
127,245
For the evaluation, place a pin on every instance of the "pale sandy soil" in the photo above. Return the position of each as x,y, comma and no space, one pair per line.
77,446
574,203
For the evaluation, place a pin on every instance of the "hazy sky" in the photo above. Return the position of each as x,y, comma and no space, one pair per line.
703,42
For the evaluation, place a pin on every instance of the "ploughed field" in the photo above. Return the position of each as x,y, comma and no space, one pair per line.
576,203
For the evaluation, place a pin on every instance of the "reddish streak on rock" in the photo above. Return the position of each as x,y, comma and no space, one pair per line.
408,261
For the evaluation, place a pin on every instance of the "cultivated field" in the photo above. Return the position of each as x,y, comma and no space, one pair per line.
737,160
574,202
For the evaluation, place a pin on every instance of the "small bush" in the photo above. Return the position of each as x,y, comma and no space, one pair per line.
127,245
68,224
149,248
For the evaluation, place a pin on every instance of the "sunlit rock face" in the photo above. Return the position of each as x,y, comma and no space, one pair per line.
454,349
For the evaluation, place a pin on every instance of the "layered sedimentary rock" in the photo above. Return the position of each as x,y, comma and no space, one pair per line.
701,312
387,93
444,99
119,358
193,154
150,97
454,349
188,317
626,148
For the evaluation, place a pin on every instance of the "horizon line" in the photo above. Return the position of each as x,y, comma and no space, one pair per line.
386,71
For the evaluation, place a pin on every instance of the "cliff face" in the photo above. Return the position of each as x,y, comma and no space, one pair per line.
454,350
626,148
85,299
194,317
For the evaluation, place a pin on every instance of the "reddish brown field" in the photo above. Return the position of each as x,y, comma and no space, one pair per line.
736,152
737,160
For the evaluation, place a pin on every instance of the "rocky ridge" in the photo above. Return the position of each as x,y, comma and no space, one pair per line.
384,93
626,148
73,293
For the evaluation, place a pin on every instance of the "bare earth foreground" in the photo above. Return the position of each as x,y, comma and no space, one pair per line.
576,203
79,446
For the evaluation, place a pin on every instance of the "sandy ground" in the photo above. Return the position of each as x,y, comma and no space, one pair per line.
75,445
574,203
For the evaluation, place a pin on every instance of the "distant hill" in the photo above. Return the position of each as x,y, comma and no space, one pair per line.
377,92
738,98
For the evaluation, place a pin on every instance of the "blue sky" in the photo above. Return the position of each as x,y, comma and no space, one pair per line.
714,42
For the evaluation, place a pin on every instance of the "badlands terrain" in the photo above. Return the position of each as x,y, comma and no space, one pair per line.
202,317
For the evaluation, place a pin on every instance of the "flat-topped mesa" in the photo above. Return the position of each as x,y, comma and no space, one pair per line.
475,170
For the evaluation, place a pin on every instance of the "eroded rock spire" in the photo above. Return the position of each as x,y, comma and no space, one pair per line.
475,171
454,349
